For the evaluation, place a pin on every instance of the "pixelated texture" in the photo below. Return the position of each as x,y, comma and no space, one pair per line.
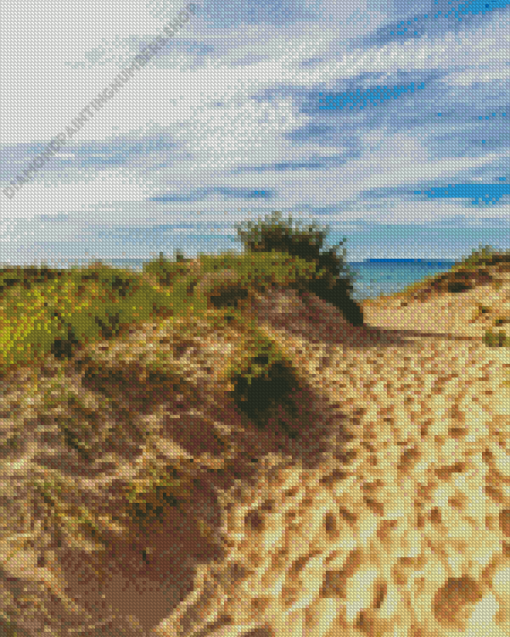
306,434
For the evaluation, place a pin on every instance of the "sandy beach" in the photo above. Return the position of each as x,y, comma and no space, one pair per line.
393,516
388,513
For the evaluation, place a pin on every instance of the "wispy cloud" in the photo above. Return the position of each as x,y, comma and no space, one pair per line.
228,120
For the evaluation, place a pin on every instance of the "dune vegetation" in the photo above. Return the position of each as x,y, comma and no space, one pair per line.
90,354
481,267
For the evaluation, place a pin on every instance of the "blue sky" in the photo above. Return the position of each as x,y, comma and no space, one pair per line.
386,121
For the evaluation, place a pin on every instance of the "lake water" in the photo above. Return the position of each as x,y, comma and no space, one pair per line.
376,277
373,277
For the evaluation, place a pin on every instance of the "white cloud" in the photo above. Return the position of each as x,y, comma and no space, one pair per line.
59,32
49,75
474,76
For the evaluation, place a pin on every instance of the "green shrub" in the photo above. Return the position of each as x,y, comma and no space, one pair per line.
260,270
264,380
26,277
111,299
154,489
496,340
84,305
485,256
165,270
78,307
458,286
276,235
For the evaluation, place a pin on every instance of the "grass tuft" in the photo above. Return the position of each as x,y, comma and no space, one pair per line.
88,356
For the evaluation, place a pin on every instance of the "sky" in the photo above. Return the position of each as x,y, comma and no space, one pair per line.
386,121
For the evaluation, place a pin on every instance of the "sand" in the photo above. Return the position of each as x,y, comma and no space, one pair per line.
401,524
389,513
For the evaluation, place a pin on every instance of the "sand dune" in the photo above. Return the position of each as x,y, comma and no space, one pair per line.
401,525
388,513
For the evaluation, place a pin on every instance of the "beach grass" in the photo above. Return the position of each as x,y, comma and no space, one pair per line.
45,310
69,362
74,343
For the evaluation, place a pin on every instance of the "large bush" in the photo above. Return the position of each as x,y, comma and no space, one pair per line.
276,235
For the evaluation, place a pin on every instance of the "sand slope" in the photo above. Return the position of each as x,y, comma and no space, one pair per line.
388,515
403,526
